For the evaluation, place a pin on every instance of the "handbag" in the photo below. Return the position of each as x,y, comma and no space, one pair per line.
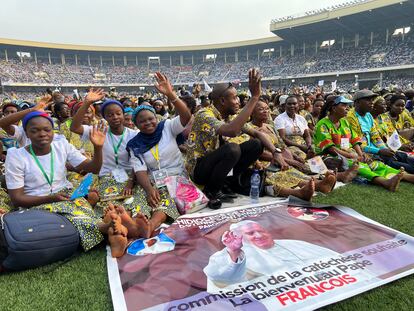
186,195
34,238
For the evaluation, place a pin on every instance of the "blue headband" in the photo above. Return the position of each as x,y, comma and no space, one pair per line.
139,109
35,114
129,110
110,102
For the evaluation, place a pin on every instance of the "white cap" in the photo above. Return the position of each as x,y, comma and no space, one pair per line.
282,99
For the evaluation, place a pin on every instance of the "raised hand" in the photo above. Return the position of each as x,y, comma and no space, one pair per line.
94,95
98,134
43,103
255,82
232,241
163,85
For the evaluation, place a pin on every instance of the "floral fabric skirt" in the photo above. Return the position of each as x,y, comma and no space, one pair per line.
108,187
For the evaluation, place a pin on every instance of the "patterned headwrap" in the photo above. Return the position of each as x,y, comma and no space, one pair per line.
129,111
377,99
35,114
139,109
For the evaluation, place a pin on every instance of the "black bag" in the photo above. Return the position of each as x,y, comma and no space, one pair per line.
241,183
33,238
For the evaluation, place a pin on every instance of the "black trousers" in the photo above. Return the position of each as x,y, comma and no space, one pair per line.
213,169
401,159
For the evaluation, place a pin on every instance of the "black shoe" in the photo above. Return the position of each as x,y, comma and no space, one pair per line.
223,197
214,204
228,192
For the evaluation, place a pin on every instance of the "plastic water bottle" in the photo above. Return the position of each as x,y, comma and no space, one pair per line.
254,187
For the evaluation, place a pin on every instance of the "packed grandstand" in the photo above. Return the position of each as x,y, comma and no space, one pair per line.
337,49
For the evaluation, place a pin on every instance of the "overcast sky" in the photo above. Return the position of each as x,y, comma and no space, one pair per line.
145,23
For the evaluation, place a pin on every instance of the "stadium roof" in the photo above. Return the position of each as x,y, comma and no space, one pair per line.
363,16
247,43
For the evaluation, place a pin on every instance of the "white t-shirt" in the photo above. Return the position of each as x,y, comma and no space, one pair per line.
109,164
291,126
22,170
22,139
169,154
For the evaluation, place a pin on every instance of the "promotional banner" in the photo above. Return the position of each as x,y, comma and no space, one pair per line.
273,256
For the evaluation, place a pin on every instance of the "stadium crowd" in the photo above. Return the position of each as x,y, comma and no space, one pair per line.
302,140
332,60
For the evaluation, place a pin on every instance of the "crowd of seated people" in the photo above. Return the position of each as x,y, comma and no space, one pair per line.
127,142
334,59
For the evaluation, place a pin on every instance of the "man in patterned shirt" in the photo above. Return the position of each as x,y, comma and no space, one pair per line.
362,122
209,162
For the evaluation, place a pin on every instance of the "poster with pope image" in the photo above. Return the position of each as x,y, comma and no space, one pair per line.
273,256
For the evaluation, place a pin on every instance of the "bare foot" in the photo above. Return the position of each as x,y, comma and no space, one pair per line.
107,213
307,191
117,236
393,183
327,184
138,227
146,226
93,197
349,174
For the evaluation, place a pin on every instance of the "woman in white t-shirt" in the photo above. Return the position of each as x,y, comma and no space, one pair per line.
114,182
156,155
10,123
36,177
294,130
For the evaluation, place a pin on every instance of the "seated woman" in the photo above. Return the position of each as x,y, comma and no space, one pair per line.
290,181
5,141
10,123
62,120
313,117
334,138
128,122
294,130
36,178
397,119
155,153
113,183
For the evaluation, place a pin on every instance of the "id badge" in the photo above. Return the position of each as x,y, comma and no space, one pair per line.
345,143
120,175
159,177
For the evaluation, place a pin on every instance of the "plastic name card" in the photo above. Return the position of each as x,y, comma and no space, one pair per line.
317,166
83,188
159,177
159,244
394,141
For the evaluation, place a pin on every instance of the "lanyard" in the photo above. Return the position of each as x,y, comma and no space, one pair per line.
116,148
156,154
52,171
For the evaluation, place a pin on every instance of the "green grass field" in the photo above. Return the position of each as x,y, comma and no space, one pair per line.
82,283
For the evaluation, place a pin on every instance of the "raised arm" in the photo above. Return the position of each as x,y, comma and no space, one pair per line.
97,138
234,127
93,96
164,86
6,123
